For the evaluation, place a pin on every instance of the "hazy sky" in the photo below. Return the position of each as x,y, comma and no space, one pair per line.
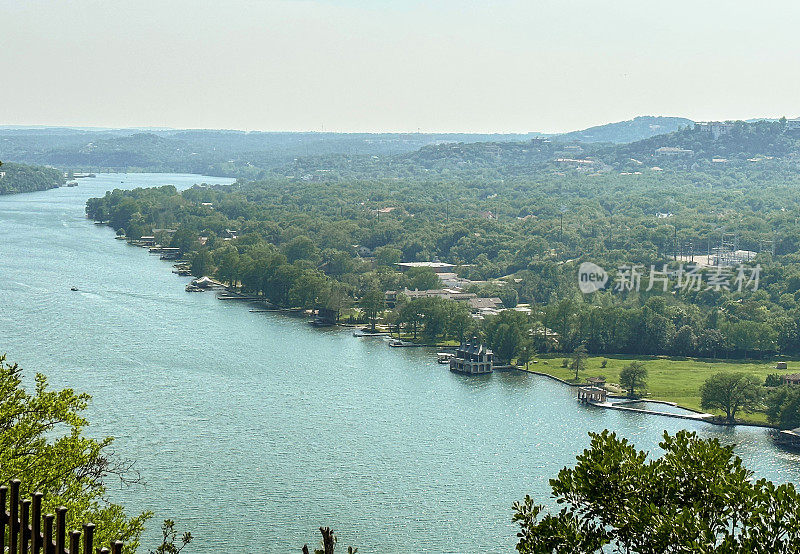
386,65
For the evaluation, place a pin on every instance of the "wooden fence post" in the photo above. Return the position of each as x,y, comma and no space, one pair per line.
24,530
88,538
22,527
74,542
36,523
3,514
61,529
49,547
13,508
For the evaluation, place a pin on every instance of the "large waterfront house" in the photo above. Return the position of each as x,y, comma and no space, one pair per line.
472,358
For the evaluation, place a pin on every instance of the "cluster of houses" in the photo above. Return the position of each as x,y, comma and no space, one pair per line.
452,289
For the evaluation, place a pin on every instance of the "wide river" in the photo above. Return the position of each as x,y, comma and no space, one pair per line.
253,429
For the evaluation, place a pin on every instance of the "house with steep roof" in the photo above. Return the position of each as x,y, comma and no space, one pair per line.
472,358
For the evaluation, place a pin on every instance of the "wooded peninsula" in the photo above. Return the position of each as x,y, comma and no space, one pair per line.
513,222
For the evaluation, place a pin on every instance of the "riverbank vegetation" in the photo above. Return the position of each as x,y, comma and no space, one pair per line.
674,379
16,178
516,220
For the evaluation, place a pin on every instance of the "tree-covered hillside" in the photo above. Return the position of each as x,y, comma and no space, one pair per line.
638,128
334,240
26,178
229,153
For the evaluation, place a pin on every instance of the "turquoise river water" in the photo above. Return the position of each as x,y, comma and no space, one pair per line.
253,429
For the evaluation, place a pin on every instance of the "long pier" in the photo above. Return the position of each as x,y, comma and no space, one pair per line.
616,406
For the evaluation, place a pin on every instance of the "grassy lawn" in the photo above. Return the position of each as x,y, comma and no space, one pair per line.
673,379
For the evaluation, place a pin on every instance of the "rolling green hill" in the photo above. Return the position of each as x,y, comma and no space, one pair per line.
26,178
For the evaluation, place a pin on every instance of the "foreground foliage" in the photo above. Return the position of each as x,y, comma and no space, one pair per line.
42,443
697,497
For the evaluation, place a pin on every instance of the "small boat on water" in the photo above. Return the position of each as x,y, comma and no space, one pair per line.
367,333
74,288
396,343
444,357
789,438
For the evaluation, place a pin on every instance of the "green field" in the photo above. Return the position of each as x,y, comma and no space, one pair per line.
673,379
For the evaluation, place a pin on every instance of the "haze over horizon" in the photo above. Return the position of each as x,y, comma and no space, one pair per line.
388,66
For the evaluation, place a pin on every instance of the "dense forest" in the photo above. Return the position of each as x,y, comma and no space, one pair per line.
306,237
26,178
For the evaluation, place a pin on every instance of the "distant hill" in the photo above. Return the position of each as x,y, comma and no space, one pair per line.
767,145
27,178
213,152
628,146
730,143
638,128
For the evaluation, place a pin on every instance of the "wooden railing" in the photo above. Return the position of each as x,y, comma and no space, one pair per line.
23,529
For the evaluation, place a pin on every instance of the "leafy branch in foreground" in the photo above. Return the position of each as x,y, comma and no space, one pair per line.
697,497
169,539
42,443
329,541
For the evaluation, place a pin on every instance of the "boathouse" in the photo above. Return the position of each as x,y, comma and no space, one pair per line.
325,317
472,358
592,395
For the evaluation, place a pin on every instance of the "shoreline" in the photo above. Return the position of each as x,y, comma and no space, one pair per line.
712,420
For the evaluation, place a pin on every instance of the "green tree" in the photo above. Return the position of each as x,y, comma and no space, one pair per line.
773,380
388,256
423,278
505,340
578,361
300,248
782,406
685,341
460,322
306,288
697,497
229,268
42,443
710,342
731,392
185,239
526,351
633,377
373,303
202,263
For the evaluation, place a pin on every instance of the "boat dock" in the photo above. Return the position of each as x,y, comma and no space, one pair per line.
618,406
